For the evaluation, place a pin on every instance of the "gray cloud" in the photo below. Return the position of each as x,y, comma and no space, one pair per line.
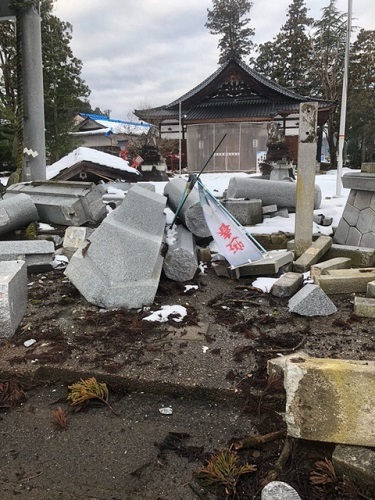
154,52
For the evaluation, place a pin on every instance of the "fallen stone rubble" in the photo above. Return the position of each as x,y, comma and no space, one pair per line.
118,264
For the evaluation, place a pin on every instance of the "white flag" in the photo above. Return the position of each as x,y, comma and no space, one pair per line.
233,242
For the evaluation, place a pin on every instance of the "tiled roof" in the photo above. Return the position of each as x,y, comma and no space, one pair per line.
265,99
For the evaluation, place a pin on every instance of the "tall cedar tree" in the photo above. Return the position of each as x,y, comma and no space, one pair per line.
284,59
228,19
361,99
326,71
64,91
8,85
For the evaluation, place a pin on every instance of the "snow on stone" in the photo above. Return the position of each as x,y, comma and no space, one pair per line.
162,315
170,236
90,155
264,284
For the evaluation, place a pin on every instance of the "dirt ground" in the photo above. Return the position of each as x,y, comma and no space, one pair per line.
138,452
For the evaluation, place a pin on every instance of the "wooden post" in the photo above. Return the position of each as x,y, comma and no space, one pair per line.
308,114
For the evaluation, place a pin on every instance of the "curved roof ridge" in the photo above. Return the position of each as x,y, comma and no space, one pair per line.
254,74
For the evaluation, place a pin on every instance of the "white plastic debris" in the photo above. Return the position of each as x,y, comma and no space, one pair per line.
60,262
166,410
29,342
190,287
205,349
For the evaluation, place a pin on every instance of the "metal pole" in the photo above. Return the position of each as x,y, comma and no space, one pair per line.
343,103
32,75
179,139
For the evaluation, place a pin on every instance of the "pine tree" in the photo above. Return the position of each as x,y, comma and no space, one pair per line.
285,59
228,19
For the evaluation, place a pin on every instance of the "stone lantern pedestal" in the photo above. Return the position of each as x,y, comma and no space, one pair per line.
357,225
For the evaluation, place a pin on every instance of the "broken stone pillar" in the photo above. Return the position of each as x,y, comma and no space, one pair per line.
13,296
331,400
121,265
312,254
305,204
346,280
191,214
246,212
63,202
280,193
16,213
287,285
180,262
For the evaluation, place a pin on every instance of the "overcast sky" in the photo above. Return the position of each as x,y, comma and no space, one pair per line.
141,53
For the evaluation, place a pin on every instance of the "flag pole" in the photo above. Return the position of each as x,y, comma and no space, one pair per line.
191,182
343,103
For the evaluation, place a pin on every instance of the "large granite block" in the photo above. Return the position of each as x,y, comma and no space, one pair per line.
37,254
121,265
63,202
331,400
13,296
15,213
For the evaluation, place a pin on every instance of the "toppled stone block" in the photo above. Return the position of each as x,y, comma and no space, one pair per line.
328,265
358,465
331,400
15,213
346,280
121,266
322,220
281,193
180,261
311,301
278,490
311,256
360,256
13,296
246,212
283,212
75,237
370,290
269,209
287,285
191,213
272,262
63,202
364,306
37,254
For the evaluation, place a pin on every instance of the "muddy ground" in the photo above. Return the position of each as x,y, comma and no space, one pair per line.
210,369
